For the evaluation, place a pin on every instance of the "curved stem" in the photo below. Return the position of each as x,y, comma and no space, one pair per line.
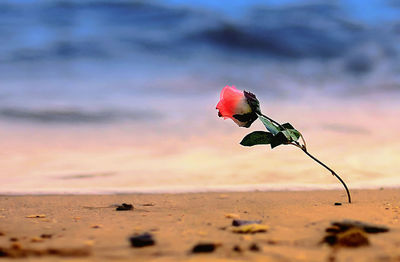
304,141
333,172
304,149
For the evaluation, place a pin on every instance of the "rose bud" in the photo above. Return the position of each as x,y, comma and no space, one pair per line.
241,106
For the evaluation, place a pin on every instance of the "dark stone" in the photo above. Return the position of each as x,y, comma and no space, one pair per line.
238,222
124,207
46,236
254,247
349,233
369,228
148,204
330,240
338,204
353,238
142,240
237,248
204,248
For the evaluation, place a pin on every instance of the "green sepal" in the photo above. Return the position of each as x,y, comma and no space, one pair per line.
252,101
257,138
246,119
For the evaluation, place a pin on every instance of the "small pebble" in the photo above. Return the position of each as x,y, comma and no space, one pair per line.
330,239
16,246
272,242
237,248
142,240
36,216
369,228
250,229
353,238
13,239
204,248
254,247
124,207
350,233
46,235
238,222
338,204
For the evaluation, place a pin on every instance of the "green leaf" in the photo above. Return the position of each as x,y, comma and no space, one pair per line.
257,138
279,139
288,126
294,134
290,132
269,125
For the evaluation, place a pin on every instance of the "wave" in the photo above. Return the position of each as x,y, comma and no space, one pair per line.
121,29
65,115
136,47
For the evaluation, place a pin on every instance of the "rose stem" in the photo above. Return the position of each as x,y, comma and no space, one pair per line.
322,164
313,157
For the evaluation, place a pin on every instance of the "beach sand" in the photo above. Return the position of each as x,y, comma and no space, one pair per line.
88,227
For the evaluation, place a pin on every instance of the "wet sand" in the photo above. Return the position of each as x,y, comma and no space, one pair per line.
203,152
80,227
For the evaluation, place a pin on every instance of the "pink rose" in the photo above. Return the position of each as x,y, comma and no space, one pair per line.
244,108
241,106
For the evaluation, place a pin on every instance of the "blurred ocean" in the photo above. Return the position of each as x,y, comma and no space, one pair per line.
106,60
160,65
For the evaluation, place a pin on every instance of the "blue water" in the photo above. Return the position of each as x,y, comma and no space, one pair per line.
64,61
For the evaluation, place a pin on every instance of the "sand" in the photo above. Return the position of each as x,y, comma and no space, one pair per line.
81,228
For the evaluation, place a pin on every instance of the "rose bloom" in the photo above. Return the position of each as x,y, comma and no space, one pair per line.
241,106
